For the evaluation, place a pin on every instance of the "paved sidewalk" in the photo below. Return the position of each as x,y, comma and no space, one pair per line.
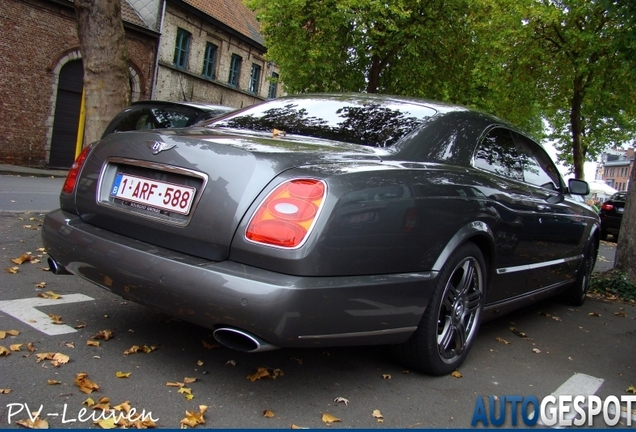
27,171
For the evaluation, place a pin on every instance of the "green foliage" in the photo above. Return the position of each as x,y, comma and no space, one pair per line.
613,284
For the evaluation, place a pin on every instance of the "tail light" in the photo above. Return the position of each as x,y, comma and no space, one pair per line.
71,178
607,207
287,215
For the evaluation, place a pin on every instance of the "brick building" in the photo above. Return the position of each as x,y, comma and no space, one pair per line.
616,167
41,78
196,50
212,51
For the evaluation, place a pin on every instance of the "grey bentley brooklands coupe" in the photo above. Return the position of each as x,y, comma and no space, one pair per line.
329,220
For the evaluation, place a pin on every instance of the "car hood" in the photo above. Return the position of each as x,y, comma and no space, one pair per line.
229,171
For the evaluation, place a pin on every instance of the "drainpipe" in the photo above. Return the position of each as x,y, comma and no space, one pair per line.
154,78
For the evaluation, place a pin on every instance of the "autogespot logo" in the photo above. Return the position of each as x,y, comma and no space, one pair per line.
558,411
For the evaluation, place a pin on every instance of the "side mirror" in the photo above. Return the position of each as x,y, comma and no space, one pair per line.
578,187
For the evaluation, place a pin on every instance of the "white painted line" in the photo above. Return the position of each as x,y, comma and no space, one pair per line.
579,385
24,310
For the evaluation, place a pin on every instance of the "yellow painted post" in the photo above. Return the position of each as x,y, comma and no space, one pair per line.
80,126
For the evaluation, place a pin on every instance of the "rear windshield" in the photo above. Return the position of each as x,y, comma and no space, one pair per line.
371,122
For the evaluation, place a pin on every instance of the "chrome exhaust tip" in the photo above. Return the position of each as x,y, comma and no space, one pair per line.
57,268
240,340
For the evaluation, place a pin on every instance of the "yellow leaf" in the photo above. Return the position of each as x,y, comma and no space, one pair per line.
89,402
199,363
34,424
85,385
53,382
15,347
328,418
5,391
104,334
631,389
59,359
91,342
124,406
192,419
31,347
4,351
21,259
50,295
133,349
189,380
268,414
456,374
40,285
108,423
12,270
175,384
122,374
56,319
377,414
44,356
260,373
189,396
185,390
277,133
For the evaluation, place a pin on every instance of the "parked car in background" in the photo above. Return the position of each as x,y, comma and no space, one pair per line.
611,215
329,220
153,114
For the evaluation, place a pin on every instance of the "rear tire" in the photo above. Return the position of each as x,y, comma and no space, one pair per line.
451,320
575,295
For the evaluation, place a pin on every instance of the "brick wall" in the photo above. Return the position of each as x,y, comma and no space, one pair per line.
36,36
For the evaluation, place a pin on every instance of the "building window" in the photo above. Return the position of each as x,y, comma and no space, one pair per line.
181,49
209,60
255,78
235,70
273,86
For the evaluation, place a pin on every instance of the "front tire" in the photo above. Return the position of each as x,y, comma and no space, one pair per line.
451,320
575,295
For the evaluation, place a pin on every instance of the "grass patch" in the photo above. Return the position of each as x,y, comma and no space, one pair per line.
613,284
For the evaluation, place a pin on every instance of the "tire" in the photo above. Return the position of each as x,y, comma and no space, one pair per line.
451,320
575,294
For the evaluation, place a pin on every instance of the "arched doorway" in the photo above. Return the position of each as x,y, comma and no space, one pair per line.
66,117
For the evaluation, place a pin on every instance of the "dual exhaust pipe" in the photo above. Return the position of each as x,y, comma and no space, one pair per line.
229,337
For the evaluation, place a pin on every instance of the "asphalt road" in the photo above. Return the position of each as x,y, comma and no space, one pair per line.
19,193
560,342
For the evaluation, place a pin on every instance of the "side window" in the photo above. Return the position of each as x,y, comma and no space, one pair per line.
538,168
497,153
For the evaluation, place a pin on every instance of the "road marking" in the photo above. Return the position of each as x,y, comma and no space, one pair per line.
25,310
580,385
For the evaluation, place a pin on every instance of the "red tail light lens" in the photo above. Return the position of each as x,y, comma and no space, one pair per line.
71,178
607,207
287,215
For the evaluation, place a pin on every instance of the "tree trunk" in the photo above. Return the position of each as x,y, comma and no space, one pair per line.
576,124
105,58
625,260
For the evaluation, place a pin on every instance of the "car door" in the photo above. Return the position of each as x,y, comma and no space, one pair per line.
511,204
559,226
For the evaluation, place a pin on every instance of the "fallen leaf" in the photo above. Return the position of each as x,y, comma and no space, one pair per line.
53,382
261,372
341,399
85,385
556,318
456,374
631,389
293,426
91,342
89,402
5,391
12,270
328,418
56,319
230,363
189,380
268,414
49,295
199,363
4,333
124,406
59,359
15,347
377,414
107,423
498,339
21,259
187,392
277,133
122,374
69,344
104,334
386,376
519,333
620,314
40,285
536,350
594,314
4,351
31,347
175,384
36,423
192,419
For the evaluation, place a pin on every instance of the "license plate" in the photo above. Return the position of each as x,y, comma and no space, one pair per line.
152,194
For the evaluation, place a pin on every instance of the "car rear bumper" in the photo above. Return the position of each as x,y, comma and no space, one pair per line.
283,310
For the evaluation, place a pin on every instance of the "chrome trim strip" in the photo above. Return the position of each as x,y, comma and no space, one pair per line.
109,170
361,334
507,270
